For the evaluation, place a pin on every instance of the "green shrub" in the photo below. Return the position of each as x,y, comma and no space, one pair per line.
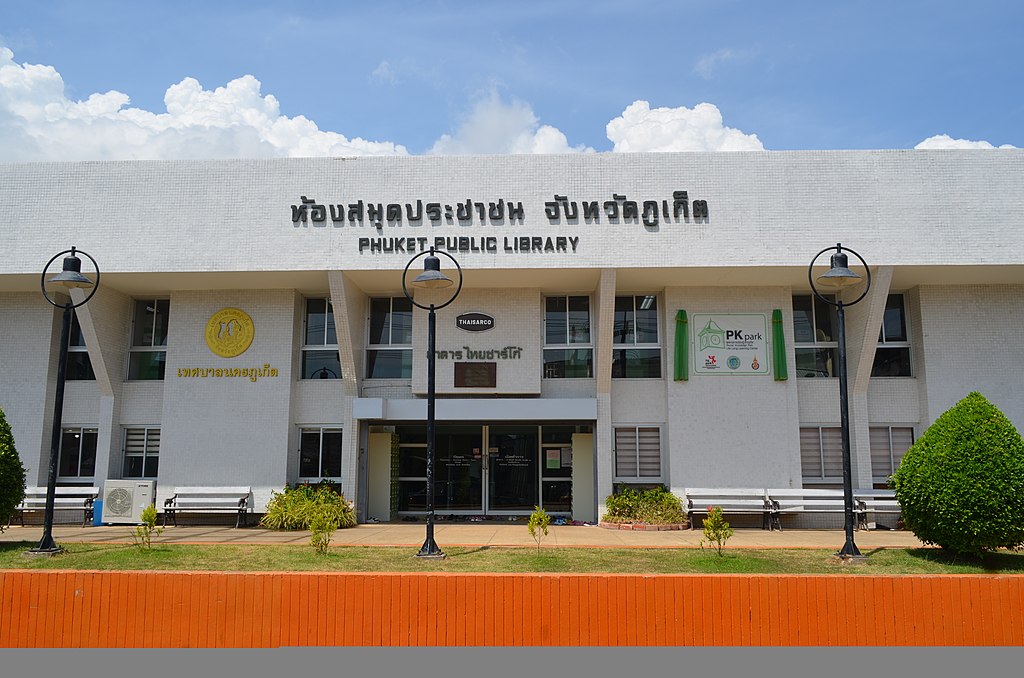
716,530
538,525
12,474
143,535
322,524
961,485
656,506
295,508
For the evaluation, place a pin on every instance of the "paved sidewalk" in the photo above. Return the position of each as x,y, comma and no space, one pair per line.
476,534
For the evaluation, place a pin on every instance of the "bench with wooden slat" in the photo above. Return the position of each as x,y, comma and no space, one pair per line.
209,500
64,498
732,500
790,500
876,501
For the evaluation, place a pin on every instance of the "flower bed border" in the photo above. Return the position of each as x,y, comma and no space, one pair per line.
644,527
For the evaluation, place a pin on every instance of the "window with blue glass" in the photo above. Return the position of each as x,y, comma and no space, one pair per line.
568,347
892,355
79,367
147,356
389,345
637,346
320,344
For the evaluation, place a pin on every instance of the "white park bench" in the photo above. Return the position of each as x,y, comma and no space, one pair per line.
209,500
732,500
64,498
791,501
873,502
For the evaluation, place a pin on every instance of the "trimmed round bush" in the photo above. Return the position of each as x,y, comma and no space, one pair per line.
12,473
961,485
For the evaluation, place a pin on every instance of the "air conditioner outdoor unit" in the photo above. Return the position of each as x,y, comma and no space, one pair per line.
124,500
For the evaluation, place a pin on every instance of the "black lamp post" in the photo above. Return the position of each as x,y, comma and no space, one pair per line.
431,279
838,277
69,278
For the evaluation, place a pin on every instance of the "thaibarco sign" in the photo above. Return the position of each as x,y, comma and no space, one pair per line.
474,322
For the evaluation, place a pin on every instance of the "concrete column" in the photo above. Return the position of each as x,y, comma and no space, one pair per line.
349,304
604,322
863,323
350,309
106,323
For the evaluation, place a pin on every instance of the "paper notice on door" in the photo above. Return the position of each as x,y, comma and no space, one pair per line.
554,459
567,457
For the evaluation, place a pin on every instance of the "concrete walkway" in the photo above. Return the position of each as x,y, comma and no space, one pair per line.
476,534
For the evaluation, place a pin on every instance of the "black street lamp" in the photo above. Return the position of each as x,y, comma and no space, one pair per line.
838,277
69,278
431,279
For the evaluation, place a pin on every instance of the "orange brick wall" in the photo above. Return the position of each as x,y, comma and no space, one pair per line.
194,609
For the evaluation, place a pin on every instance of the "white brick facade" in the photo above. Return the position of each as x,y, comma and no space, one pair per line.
941,228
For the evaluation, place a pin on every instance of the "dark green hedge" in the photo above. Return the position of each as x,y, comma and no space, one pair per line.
961,485
12,473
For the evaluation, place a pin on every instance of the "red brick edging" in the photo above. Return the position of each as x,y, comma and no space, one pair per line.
644,526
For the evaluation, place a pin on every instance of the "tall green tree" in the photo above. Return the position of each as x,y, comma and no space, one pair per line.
961,485
12,473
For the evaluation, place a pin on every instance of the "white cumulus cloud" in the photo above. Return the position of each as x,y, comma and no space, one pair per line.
641,128
944,141
39,123
496,127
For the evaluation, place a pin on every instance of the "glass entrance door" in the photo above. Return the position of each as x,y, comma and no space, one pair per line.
519,467
458,469
512,465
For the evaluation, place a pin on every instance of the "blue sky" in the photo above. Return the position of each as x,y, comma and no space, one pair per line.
470,77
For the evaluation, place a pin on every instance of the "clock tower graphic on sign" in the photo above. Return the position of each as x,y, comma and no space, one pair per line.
712,336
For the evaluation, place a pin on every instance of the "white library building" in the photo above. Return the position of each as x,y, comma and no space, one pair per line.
623,319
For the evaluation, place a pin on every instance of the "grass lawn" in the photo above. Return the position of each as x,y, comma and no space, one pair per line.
262,558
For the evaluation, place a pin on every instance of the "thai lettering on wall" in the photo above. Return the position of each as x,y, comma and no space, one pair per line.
467,353
619,209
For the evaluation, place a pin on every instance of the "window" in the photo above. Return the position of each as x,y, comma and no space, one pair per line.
568,348
79,366
637,351
320,345
148,354
389,348
892,357
814,337
77,453
320,453
888,445
821,454
141,453
637,453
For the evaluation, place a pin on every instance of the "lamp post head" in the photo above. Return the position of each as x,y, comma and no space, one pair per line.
71,276
839,275
432,278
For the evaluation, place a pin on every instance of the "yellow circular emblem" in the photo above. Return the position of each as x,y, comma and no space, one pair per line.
229,332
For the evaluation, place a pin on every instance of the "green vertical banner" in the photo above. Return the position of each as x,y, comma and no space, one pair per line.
682,367
779,347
